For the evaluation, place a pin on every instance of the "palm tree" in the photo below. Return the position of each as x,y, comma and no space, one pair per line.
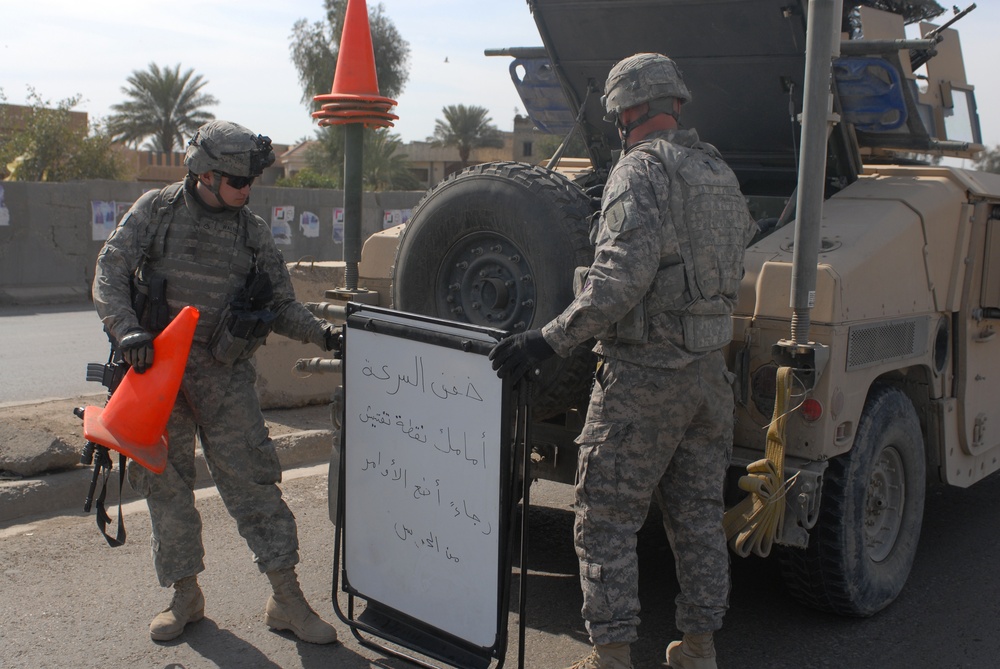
384,167
466,128
165,106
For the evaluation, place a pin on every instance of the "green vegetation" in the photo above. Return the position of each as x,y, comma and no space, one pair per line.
990,160
383,167
46,143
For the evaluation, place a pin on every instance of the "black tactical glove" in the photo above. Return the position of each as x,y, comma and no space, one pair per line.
137,349
520,352
333,339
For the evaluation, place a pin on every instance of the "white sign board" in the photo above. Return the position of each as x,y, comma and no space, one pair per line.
424,460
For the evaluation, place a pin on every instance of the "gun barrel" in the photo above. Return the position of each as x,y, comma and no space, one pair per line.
947,24
327,309
320,365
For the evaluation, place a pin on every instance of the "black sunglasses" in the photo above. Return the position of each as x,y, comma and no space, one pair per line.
237,182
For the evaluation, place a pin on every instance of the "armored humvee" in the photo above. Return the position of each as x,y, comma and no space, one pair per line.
875,277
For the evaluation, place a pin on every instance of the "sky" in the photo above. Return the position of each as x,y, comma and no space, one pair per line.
62,48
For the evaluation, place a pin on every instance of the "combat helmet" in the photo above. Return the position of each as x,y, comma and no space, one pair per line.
229,148
644,77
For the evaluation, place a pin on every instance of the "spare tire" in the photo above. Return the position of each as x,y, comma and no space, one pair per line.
496,245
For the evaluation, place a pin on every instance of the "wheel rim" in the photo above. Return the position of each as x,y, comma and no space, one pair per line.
487,281
884,504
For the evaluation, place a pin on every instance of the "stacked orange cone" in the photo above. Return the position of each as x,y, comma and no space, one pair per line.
134,422
355,96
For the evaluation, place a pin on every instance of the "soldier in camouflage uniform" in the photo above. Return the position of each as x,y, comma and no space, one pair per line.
197,243
658,298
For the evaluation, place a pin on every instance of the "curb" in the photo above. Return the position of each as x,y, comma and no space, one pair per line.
65,492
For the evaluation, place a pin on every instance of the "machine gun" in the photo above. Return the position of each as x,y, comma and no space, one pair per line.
109,374
920,56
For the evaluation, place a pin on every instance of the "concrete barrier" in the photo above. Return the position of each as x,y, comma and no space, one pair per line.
51,233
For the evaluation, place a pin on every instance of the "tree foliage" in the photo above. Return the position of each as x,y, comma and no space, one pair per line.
308,178
383,166
466,128
990,160
165,106
46,144
315,49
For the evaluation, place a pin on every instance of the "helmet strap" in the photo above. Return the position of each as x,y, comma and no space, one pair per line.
215,185
625,129
214,190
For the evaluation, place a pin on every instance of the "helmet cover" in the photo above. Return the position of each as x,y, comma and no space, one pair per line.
643,77
229,148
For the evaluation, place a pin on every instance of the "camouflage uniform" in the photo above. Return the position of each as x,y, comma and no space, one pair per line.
206,258
658,298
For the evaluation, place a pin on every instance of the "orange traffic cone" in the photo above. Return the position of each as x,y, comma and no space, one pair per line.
357,76
355,97
134,422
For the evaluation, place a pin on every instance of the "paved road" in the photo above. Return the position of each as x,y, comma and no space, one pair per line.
70,601
44,352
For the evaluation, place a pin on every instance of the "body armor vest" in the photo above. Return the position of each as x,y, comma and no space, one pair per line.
207,258
710,221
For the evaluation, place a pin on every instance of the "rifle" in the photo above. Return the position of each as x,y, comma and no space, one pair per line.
110,374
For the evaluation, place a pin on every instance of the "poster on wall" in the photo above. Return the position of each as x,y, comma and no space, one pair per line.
394,217
309,224
121,208
4,212
281,224
102,219
338,225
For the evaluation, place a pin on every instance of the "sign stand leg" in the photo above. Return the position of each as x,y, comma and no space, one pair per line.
524,426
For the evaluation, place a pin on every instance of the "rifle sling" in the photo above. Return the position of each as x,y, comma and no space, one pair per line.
102,515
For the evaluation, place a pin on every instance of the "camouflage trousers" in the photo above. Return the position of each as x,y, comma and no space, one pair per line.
245,469
654,432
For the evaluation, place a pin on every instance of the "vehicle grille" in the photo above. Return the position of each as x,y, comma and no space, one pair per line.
878,343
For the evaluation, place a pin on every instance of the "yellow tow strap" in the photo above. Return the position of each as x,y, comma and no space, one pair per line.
752,525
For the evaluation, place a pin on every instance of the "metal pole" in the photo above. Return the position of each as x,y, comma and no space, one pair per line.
822,45
353,148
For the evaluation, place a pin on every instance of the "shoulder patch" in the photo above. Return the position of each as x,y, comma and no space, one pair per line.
619,211
616,215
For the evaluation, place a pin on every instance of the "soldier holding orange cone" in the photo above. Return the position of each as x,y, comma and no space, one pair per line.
197,243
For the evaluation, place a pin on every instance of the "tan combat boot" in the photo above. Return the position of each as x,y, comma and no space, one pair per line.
606,656
287,609
187,606
695,651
